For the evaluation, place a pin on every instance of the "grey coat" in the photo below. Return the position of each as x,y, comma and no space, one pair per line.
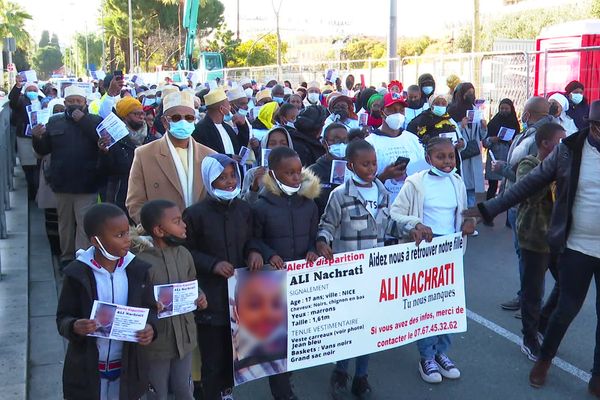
471,169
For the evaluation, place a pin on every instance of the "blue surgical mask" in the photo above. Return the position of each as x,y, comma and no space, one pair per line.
438,110
427,90
358,179
338,150
290,124
226,195
242,112
149,102
181,129
228,117
31,95
576,98
279,100
158,100
443,174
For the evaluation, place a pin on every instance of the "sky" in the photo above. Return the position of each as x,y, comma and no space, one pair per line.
297,17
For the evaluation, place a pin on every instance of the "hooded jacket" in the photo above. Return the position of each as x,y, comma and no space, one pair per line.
287,225
217,231
247,193
81,379
18,103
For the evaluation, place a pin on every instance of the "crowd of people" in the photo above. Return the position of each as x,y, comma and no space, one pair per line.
250,175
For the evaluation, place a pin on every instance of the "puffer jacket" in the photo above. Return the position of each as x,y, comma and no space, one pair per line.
217,231
562,166
287,225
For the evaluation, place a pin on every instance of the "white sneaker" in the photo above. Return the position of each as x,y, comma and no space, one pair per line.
447,367
227,394
475,233
430,371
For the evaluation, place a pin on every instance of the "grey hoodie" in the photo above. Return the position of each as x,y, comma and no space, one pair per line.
213,166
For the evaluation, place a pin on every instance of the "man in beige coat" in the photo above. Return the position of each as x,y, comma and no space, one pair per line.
169,168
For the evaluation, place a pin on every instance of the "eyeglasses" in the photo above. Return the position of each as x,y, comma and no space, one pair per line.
178,117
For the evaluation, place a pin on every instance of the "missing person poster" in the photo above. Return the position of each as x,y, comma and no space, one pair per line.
176,298
112,128
359,303
118,322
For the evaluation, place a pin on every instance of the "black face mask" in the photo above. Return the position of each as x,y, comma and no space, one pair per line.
173,241
69,110
136,126
414,104
504,113
553,110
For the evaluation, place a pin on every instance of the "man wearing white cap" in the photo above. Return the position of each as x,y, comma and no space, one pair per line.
313,96
239,106
213,131
71,140
169,168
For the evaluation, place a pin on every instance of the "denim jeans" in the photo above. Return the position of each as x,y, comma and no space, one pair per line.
471,198
512,220
433,345
576,271
361,367
535,265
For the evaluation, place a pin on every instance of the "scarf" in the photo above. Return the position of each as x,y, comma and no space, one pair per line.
458,107
509,121
185,180
265,115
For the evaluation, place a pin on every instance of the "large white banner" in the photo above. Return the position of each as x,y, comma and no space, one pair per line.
358,303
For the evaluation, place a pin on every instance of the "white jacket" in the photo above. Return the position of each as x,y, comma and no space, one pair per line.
407,209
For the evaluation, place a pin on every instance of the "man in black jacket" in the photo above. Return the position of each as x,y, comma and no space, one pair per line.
213,132
573,233
72,141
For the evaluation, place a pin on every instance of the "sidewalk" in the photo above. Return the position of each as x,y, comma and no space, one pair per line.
14,297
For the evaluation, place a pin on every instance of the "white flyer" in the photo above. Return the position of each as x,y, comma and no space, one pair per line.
118,322
28,76
176,298
113,128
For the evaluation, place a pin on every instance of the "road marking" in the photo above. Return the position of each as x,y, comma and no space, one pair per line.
559,362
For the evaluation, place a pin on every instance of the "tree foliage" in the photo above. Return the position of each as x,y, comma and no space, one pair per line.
225,43
94,49
45,39
47,59
261,51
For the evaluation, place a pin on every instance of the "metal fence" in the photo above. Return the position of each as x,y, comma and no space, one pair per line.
7,164
495,75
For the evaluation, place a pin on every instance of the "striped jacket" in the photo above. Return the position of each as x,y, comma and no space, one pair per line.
347,225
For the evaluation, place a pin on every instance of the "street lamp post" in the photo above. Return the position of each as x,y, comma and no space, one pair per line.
130,37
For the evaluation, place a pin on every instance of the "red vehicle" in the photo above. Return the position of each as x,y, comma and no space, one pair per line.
565,66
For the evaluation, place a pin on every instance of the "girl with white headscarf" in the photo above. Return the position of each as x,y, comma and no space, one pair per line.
559,105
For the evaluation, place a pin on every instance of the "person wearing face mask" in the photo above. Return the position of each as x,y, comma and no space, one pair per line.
278,136
263,97
342,111
391,142
507,118
240,109
417,103
22,95
215,132
559,105
579,107
278,94
115,162
313,94
473,132
427,85
286,116
335,141
71,140
168,168
219,237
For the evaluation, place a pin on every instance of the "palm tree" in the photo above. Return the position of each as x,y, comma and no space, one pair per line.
12,23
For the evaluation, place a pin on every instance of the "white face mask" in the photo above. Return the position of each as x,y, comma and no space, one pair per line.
313,97
395,121
105,253
289,190
226,195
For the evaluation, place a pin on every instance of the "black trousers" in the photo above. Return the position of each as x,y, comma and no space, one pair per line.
535,265
492,189
217,364
576,271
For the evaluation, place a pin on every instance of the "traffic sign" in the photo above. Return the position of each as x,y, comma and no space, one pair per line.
11,67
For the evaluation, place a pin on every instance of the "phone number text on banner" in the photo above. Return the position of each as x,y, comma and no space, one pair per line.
358,303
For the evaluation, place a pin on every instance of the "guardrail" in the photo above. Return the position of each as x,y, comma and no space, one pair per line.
7,164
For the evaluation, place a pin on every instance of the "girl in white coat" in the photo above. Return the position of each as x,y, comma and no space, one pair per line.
430,204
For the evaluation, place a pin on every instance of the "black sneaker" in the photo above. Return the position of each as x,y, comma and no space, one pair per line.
531,348
511,305
338,384
361,387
